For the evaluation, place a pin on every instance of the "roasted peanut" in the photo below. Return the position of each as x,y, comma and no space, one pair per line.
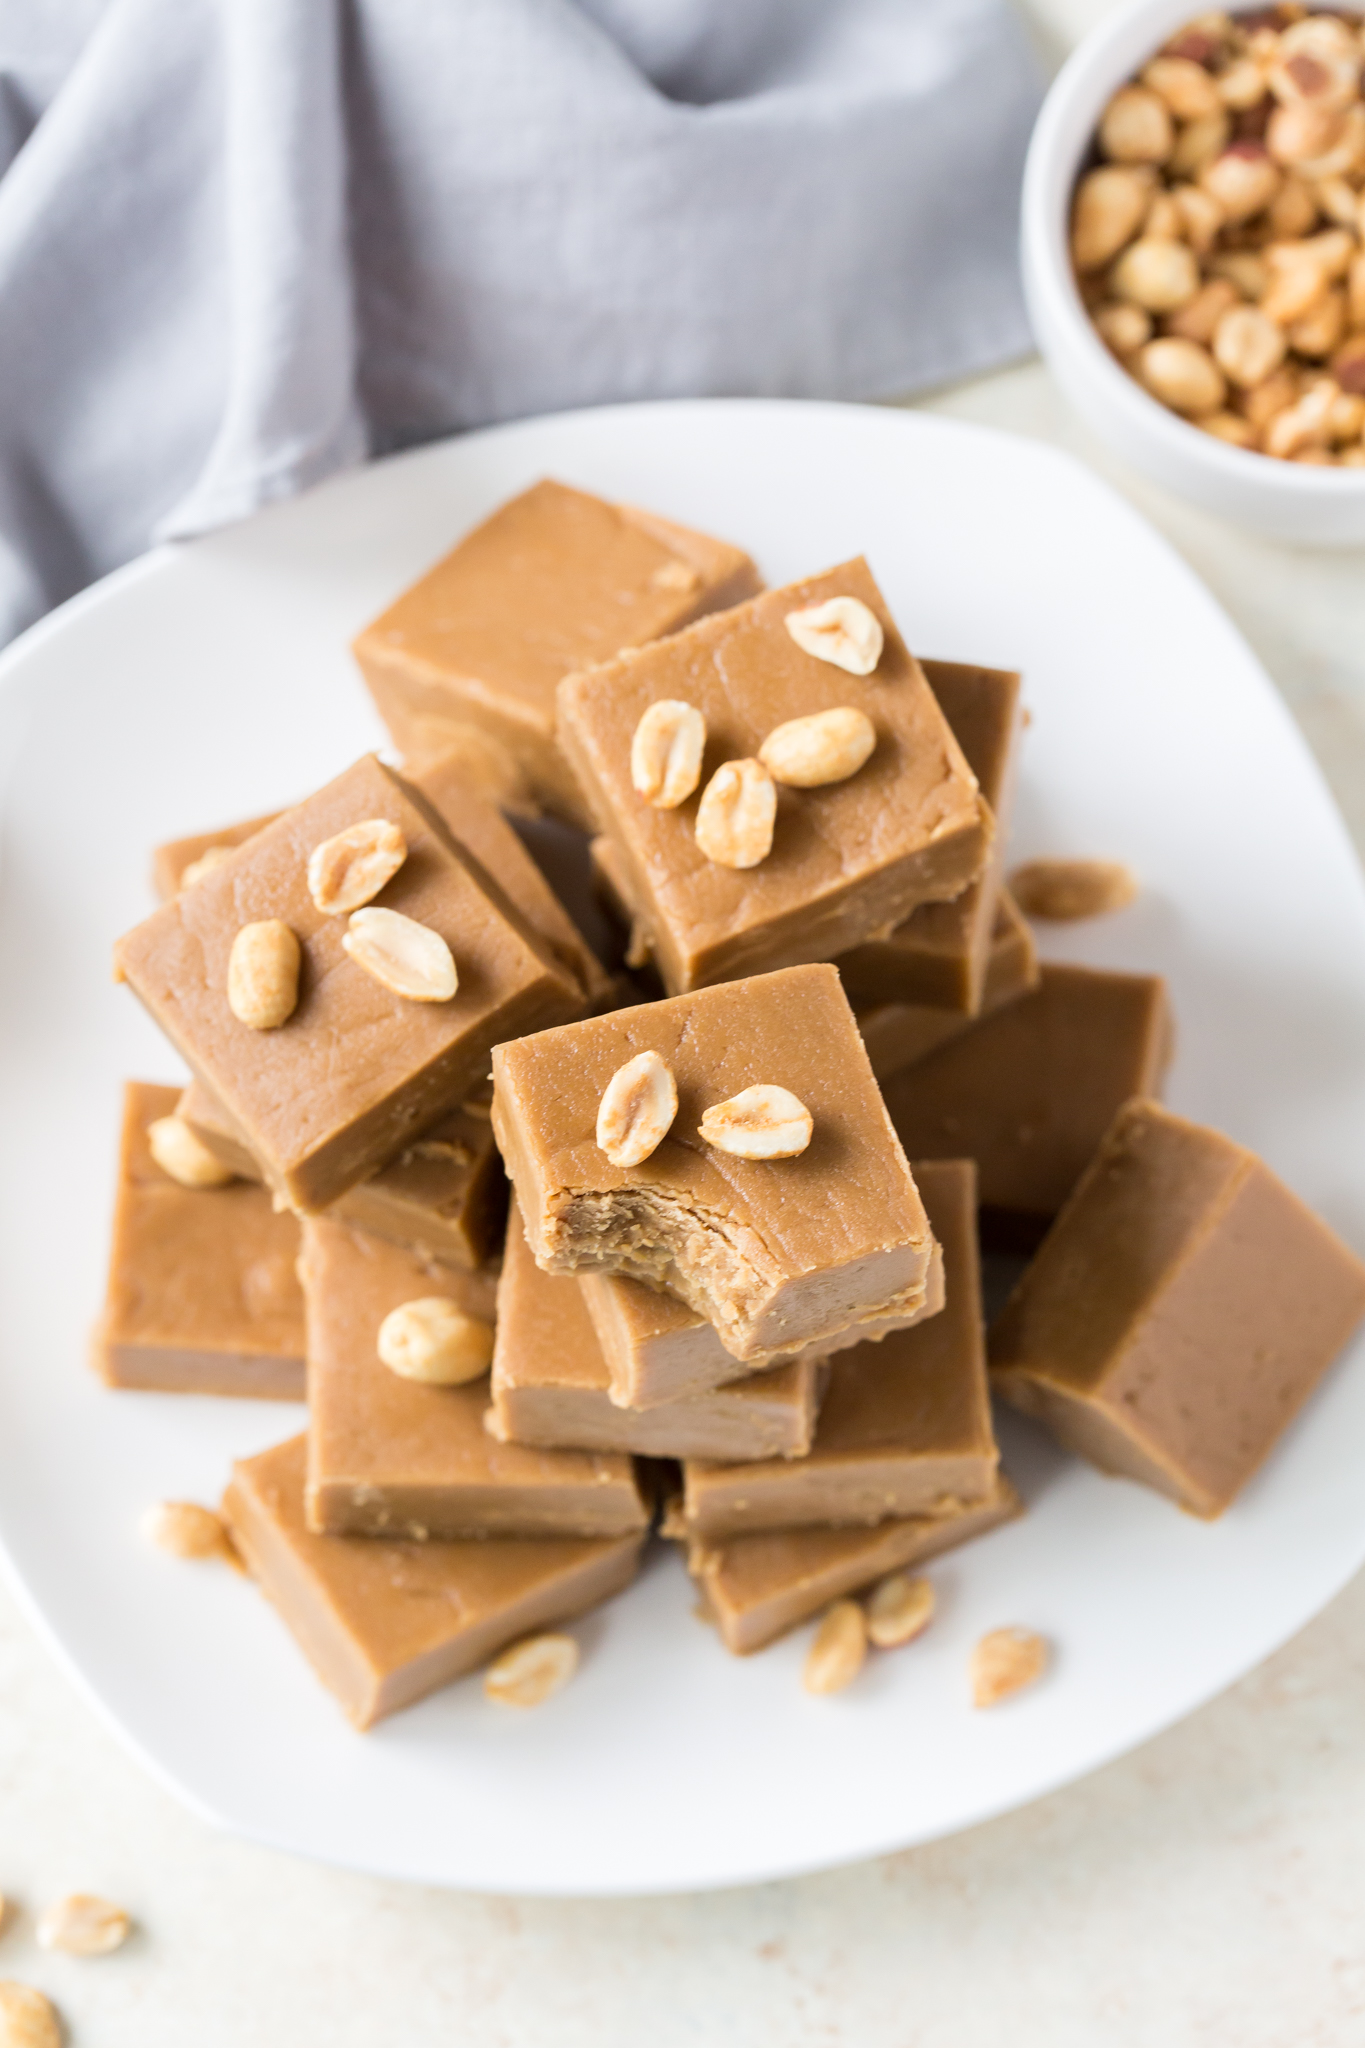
348,870
842,631
263,975
637,1109
183,1156
431,1339
1248,346
1182,375
1156,275
827,746
531,1671
1136,128
839,1651
762,1122
406,957
736,815
1108,211
666,751
1004,1662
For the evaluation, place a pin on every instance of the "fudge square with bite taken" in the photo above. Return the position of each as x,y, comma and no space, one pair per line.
555,580
1180,1311
849,857
905,1425
202,1296
355,1069
552,1385
390,1455
1029,1091
776,1252
384,1623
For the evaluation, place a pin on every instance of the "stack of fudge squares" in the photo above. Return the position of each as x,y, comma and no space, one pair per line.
565,1250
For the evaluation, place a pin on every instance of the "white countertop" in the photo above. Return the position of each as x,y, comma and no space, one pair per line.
1206,1890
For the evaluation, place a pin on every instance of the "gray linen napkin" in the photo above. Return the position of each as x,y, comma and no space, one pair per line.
245,242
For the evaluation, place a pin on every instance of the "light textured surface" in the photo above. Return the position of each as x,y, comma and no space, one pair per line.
1205,1892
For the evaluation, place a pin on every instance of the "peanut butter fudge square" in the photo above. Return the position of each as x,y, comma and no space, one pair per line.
728,874
898,1034
660,1351
757,1588
905,1425
1029,1092
556,580
941,954
552,1386
444,1196
1180,1311
385,1623
394,1455
332,1036
202,1296
767,1188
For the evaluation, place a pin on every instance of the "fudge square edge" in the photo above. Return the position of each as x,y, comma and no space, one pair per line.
775,1253
356,1071
848,859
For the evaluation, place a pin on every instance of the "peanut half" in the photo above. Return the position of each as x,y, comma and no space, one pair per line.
1065,889
186,1529
406,957
434,1341
27,2019
531,1671
263,975
349,869
186,1158
762,1122
736,815
842,631
1004,1662
829,746
82,1925
898,1610
637,1109
675,575
665,754
839,1651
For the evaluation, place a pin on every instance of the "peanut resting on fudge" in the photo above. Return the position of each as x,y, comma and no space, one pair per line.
776,1253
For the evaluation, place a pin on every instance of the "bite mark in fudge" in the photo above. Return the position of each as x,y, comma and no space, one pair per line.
385,1623
898,1034
757,1588
1180,1311
848,860
389,1456
551,1383
905,1424
1029,1092
202,1294
775,1253
356,1071
467,660
940,955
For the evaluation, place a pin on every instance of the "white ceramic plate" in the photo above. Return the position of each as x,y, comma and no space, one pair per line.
212,682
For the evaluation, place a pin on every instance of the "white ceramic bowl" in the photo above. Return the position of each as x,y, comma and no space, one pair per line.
1291,501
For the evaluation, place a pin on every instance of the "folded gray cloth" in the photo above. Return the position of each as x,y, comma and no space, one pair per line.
244,242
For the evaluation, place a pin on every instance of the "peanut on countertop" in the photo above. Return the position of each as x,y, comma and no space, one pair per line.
1219,232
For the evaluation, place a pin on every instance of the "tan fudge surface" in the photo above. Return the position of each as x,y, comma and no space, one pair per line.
356,1071
385,1623
898,1034
756,1588
1180,1311
170,860
202,1296
554,580
939,956
444,1196
847,860
1030,1091
905,1425
775,1253
659,1350
480,826
551,1383
393,1456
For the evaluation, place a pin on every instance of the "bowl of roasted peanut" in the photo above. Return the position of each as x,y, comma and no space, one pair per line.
1194,256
